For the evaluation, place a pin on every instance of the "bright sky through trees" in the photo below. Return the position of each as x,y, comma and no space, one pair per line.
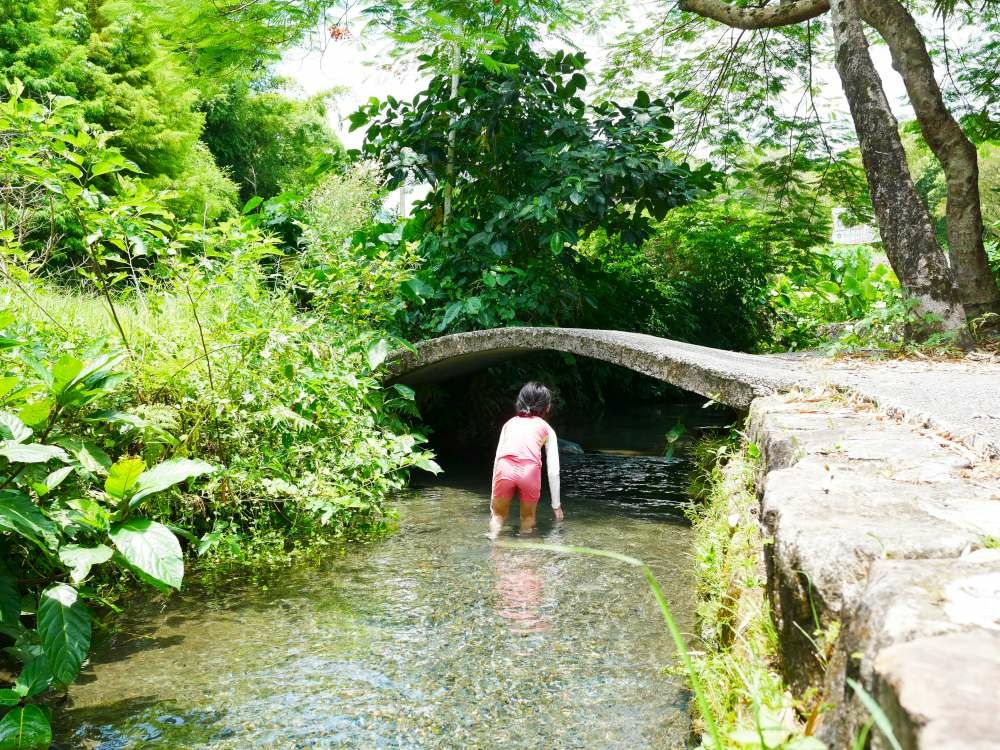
361,66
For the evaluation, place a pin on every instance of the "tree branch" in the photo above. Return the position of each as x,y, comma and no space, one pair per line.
783,13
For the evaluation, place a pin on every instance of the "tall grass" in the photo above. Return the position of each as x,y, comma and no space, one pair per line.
738,665
288,402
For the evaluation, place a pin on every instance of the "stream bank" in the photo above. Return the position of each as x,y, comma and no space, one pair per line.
878,542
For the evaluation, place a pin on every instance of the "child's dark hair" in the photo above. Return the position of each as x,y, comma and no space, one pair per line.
534,400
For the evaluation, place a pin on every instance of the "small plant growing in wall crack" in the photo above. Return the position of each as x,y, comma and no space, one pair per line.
879,719
673,436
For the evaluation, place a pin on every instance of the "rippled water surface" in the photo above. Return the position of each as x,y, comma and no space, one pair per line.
431,638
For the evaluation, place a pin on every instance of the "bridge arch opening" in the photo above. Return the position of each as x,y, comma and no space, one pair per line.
614,424
731,378
466,384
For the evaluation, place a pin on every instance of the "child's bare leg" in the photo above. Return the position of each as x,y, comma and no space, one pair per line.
499,508
528,516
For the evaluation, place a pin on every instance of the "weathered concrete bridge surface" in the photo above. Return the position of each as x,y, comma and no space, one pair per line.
879,503
731,378
958,397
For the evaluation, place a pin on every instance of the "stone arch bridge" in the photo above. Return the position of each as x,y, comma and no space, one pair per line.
731,378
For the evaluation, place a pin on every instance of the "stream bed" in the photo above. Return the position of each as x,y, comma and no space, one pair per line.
433,637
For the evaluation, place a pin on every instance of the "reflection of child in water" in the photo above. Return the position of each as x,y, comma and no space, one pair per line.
519,591
518,463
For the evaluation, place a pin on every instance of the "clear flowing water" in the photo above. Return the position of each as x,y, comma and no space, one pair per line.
432,638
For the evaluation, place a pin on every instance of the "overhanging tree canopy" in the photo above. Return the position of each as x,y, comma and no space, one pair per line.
906,228
528,166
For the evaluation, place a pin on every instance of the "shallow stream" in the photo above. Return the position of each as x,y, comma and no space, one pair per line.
431,638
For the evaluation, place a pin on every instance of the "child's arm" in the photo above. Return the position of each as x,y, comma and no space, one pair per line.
552,464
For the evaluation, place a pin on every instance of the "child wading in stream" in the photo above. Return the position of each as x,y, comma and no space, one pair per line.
518,463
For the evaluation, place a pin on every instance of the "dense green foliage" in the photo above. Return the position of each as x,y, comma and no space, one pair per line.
539,213
167,351
267,142
66,508
521,169
126,83
132,73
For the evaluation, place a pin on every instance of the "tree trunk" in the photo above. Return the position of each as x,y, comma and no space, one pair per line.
976,286
756,17
907,233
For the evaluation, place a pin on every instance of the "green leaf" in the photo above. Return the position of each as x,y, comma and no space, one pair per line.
25,728
405,391
88,455
38,368
9,697
36,413
450,313
64,371
8,384
80,559
428,465
829,289
122,476
115,417
106,166
90,513
167,474
35,678
12,428
20,515
251,204
377,353
33,453
64,628
556,243
417,290
151,551
10,601
878,715
57,477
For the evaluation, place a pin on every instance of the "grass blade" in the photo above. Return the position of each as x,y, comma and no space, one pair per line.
877,714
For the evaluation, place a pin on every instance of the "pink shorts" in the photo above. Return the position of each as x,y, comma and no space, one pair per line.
514,474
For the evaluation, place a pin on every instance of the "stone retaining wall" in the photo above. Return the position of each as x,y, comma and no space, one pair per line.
886,533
